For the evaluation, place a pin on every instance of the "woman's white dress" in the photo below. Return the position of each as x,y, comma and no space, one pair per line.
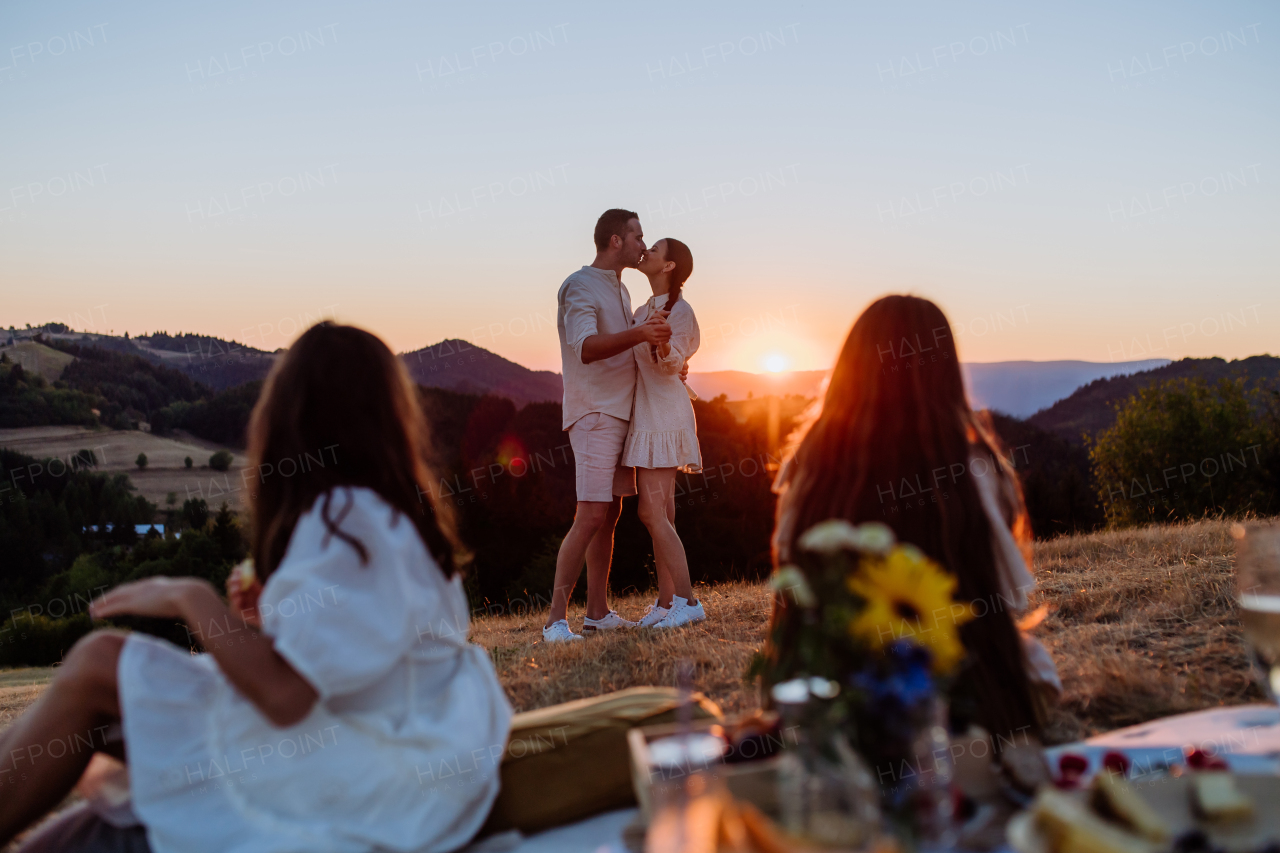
663,432
402,748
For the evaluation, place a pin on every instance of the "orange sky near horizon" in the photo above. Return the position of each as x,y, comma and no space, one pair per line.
754,327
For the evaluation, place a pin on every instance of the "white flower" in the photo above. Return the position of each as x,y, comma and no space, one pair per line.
834,535
789,580
874,538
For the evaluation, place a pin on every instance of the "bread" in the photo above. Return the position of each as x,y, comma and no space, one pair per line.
1073,828
1217,798
243,576
1112,794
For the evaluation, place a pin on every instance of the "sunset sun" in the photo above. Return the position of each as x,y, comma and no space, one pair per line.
776,362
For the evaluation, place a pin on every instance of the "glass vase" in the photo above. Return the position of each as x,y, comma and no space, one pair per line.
826,794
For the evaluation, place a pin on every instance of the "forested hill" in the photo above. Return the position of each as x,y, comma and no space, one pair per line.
1092,408
456,365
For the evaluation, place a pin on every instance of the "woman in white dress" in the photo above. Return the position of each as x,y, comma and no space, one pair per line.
357,717
663,437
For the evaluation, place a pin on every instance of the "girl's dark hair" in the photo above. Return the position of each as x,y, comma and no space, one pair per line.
895,411
683,258
338,409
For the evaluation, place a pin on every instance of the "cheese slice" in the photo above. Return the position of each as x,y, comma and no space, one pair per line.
1120,799
1218,798
1073,828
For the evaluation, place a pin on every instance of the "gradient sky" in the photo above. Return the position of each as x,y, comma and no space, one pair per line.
1067,180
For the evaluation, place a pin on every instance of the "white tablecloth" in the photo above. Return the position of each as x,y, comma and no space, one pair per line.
599,834
1247,737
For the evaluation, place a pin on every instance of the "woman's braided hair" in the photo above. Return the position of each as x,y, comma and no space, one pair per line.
683,258
678,253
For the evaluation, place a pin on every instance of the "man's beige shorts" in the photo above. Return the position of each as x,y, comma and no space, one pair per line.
597,441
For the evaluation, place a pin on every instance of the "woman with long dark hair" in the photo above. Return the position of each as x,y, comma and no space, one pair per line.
334,725
896,441
662,438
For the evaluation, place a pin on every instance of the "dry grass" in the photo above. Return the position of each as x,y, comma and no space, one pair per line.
18,689
1142,625
537,674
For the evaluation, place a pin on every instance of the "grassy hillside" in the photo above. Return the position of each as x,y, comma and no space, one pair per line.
1142,624
39,359
1091,408
116,451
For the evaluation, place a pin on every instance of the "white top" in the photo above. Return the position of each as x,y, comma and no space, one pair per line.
594,302
399,753
663,431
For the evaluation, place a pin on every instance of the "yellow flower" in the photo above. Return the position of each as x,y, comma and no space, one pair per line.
908,596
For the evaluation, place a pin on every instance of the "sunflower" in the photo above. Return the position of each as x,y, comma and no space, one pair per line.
908,596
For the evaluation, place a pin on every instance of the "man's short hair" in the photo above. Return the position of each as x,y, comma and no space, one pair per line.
612,221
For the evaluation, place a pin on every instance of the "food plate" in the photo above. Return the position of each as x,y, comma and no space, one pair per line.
1171,798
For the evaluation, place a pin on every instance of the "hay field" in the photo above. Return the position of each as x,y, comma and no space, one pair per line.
117,451
38,358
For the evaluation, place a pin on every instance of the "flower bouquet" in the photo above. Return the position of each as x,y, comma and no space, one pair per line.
876,619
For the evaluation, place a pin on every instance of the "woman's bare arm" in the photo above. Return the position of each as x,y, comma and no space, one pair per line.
251,663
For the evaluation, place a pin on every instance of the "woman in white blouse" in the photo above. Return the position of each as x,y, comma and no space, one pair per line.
663,436
339,707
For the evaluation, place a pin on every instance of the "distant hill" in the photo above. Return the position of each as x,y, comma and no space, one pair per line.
456,365
1016,388
1091,408
739,385
1021,388
213,361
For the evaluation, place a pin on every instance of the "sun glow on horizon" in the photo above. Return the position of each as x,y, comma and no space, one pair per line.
776,362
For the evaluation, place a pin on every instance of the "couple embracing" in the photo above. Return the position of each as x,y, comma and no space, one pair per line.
629,418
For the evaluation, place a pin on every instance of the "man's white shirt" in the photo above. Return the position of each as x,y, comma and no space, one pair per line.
594,302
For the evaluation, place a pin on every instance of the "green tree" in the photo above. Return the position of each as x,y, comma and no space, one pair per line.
226,533
188,462
221,461
141,461
195,512
1181,449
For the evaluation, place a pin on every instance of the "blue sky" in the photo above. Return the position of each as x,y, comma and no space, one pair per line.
1082,182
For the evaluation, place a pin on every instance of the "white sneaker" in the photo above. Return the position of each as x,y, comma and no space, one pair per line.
610,622
681,613
558,632
653,615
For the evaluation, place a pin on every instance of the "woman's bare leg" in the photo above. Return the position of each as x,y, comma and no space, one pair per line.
666,585
44,753
657,490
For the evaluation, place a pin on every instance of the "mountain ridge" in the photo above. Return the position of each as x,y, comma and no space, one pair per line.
1091,408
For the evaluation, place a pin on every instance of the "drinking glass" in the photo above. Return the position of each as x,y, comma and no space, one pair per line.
1258,592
